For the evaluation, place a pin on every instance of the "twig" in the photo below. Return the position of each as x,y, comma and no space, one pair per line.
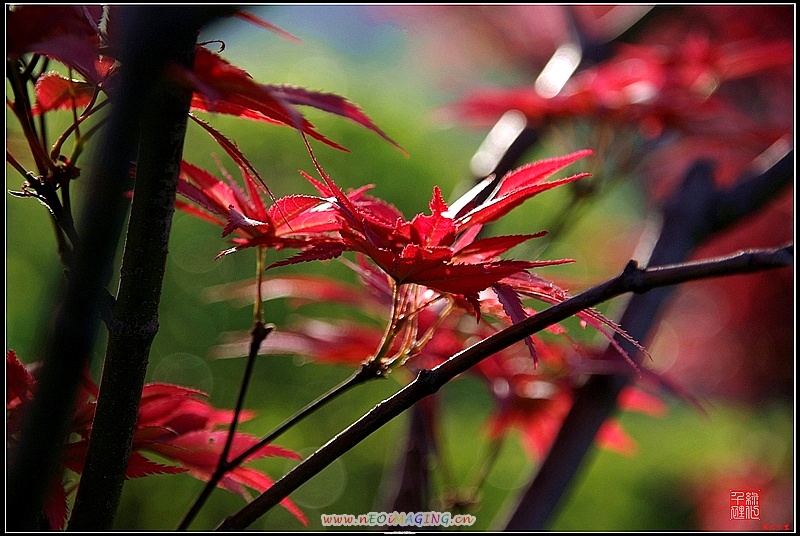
368,371
258,334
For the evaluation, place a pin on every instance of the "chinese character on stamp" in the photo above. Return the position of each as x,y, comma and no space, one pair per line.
745,504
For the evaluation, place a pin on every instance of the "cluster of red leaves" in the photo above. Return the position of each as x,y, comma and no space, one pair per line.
292,221
654,87
427,258
176,424
440,252
73,36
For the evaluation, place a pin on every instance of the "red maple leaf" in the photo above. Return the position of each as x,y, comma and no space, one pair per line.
293,221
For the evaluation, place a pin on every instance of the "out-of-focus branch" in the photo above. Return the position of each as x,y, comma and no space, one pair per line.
153,39
70,333
410,489
632,279
695,212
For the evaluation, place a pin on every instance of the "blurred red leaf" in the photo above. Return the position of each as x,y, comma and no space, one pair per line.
177,423
68,34
20,384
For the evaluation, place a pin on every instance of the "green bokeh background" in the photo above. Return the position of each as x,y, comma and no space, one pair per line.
374,69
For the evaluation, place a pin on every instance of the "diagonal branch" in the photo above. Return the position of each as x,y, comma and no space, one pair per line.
632,279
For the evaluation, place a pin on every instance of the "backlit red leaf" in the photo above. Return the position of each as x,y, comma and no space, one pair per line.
223,88
209,192
199,450
55,92
497,207
331,103
180,409
536,172
237,220
233,151
345,204
318,252
299,214
139,466
258,481
467,278
490,248
436,229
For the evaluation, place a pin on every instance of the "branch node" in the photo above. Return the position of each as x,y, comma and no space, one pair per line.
427,381
631,267
261,331
633,278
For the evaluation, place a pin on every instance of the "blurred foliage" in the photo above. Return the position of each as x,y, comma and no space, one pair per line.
374,70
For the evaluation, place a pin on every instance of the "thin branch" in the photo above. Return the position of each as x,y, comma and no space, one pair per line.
368,371
428,382
16,165
66,222
55,151
258,334
22,110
